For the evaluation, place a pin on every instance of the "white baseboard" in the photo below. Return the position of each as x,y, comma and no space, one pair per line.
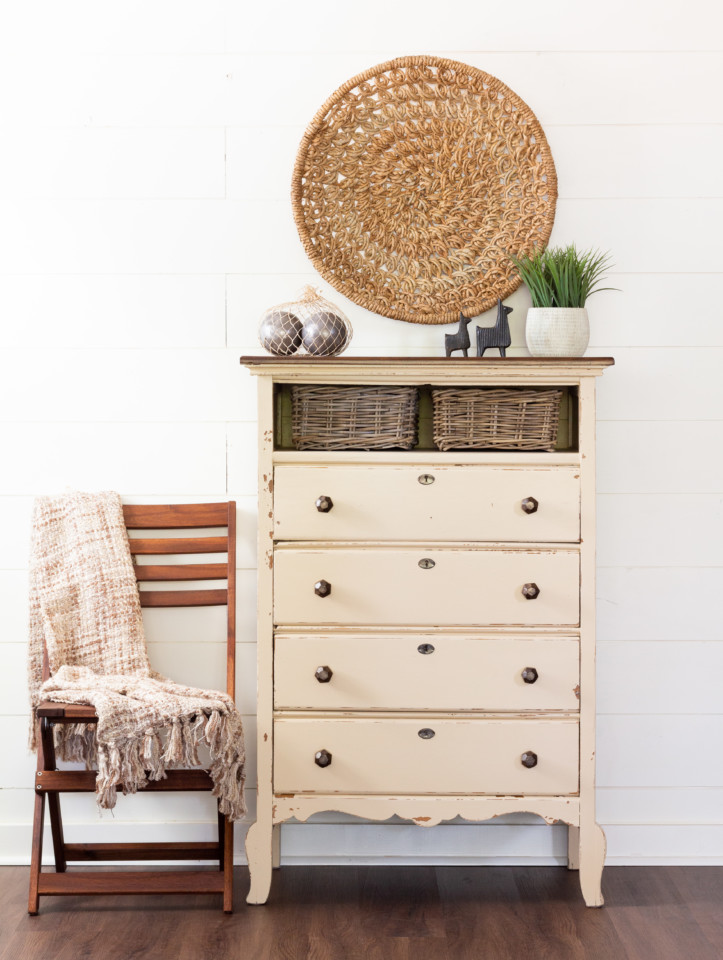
398,844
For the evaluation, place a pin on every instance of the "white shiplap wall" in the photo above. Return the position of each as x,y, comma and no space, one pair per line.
144,177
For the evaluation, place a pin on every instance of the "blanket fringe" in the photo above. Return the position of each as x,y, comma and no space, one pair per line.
173,754
152,755
75,742
130,764
107,778
228,788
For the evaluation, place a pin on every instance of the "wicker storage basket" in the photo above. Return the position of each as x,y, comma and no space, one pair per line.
484,418
353,418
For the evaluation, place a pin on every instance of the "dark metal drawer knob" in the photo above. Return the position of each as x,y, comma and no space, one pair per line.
322,758
529,759
322,588
324,504
529,505
529,674
425,648
530,591
426,733
323,674
426,563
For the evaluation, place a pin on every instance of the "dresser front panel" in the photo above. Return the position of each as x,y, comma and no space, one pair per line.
389,502
469,586
388,756
426,672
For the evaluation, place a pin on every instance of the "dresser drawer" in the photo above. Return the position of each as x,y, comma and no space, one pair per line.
388,756
466,503
425,672
423,585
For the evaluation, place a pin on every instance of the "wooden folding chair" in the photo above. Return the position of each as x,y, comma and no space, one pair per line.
50,782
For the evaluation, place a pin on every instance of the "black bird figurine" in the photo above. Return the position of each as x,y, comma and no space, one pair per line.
460,339
497,336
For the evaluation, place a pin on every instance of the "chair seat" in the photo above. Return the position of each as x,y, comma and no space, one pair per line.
69,712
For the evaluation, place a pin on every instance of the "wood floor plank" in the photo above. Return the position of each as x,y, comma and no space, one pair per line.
220,937
334,930
13,904
129,930
400,902
482,913
30,945
546,897
565,928
653,919
596,934
497,913
702,889
382,948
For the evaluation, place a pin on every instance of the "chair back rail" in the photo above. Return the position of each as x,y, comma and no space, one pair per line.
188,517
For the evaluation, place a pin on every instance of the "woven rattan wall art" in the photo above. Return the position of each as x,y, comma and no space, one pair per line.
413,182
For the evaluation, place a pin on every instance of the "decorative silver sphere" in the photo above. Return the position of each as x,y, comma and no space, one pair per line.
325,333
280,332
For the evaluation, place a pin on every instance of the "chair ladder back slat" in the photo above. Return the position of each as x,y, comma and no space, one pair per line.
182,571
184,598
143,546
177,516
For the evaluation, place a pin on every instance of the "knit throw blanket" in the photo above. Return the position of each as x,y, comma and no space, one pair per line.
84,605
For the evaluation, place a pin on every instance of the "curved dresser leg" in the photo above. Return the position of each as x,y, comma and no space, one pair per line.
573,848
259,853
592,859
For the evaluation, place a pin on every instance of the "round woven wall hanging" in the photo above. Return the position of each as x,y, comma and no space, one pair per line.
415,180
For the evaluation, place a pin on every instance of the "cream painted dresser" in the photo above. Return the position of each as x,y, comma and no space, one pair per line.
426,620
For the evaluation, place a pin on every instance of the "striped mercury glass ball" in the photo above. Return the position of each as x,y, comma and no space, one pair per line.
280,332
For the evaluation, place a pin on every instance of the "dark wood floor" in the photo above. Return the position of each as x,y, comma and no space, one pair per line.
386,913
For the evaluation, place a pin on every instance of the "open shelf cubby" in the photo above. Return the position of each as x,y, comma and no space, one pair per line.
567,436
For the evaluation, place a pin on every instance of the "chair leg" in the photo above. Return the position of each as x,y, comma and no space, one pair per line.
227,866
56,826
36,858
36,855
56,820
221,840
225,860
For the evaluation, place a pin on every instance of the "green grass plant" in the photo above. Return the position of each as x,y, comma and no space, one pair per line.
563,276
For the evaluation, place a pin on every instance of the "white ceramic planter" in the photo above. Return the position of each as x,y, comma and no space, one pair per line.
557,331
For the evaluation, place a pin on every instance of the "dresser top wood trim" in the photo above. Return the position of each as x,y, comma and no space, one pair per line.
415,370
266,359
